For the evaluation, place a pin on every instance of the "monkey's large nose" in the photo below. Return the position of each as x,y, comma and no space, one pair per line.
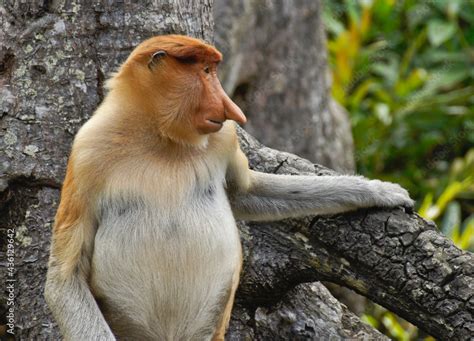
231,110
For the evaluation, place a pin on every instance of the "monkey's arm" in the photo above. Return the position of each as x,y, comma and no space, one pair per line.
67,292
274,197
73,306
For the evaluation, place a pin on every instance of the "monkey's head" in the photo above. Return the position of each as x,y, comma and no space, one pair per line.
172,80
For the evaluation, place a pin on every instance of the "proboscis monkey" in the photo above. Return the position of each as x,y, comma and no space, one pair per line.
145,244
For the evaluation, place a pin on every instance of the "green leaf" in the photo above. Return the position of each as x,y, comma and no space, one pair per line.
435,55
382,111
393,325
451,219
467,12
440,31
425,205
333,25
453,7
466,240
370,320
418,14
446,77
387,70
353,10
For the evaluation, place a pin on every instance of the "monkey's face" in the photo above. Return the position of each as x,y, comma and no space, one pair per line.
214,106
178,74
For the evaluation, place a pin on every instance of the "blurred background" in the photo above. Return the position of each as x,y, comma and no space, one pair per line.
404,70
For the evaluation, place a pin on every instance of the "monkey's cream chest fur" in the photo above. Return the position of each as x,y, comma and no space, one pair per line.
192,256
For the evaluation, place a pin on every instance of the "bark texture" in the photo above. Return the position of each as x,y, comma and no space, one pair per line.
275,67
54,57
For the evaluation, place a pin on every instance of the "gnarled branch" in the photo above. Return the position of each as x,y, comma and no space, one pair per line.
391,256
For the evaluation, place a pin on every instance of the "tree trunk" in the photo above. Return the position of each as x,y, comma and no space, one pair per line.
54,58
275,68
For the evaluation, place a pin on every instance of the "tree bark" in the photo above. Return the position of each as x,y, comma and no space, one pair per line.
54,57
275,67
53,60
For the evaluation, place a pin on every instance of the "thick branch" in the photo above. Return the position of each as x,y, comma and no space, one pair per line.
394,257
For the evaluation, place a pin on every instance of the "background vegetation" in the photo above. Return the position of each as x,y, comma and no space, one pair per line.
405,72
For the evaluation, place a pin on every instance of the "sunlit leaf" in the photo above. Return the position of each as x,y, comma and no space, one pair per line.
451,220
453,8
366,20
426,204
390,322
457,110
333,25
435,55
352,10
440,31
410,53
360,92
388,70
445,77
414,80
370,320
423,100
382,111
466,240
449,194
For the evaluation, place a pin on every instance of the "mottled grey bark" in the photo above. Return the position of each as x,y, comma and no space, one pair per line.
303,314
275,68
53,60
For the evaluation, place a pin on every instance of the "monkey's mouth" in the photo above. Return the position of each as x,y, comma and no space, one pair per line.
219,123
208,126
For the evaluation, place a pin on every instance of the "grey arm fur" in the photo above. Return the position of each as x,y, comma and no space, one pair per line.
72,303
75,309
274,197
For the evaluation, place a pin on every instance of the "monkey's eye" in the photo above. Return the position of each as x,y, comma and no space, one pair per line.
155,58
158,54
207,69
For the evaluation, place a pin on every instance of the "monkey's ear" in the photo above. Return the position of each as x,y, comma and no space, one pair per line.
155,58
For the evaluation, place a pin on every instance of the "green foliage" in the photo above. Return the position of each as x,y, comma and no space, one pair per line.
405,72
392,326
454,202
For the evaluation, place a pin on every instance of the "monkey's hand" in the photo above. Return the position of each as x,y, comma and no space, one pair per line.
387,194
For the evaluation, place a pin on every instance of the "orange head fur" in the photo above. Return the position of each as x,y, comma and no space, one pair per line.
171,82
